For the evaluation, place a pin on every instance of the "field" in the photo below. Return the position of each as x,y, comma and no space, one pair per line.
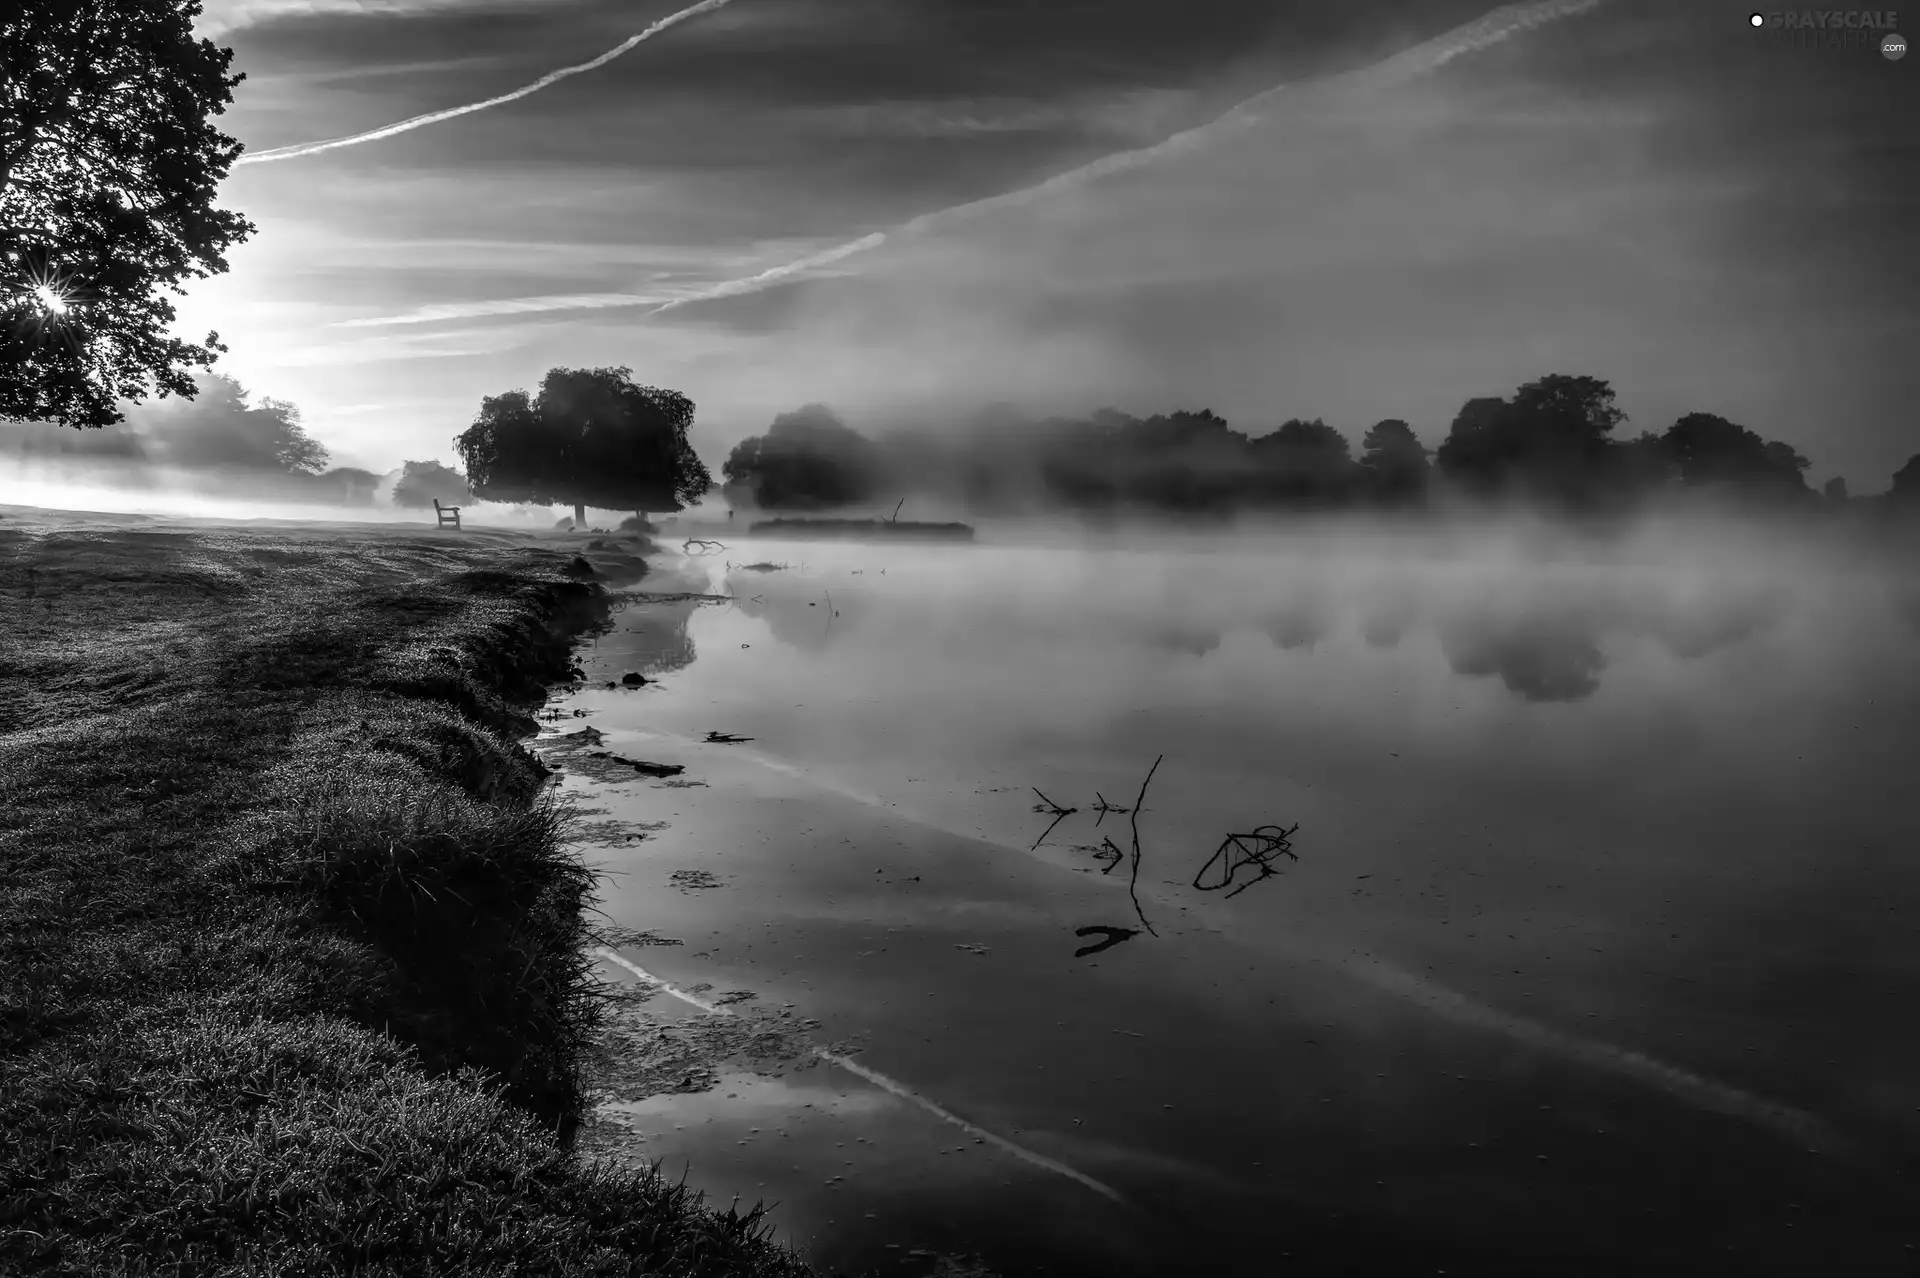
293,938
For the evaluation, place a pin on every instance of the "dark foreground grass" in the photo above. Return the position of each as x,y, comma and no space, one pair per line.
291,948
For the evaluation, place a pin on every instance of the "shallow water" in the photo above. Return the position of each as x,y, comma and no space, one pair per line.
1597,951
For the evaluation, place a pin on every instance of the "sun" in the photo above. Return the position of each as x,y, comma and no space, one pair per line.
50,299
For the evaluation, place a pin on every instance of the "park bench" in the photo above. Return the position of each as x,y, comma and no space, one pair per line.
446,514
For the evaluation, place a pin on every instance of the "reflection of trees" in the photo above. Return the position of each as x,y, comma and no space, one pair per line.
1179,637
1552,653
1385,621
1300,623
1540,656
1695,632
658,636
782,601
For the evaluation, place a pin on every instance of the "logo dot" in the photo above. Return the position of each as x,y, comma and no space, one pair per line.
1756,20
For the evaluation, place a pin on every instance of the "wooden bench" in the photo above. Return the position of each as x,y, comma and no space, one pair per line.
446,514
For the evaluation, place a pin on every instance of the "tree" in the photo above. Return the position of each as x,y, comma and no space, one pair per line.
1303,461
421,483
591,438
219,430
108,169
1549,441
1709,449
808,460
347,484
1835,491
1394,460
1906,482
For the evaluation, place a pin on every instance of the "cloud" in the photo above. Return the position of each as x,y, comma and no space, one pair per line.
372,350
435,117
1427,56
221,16
504,306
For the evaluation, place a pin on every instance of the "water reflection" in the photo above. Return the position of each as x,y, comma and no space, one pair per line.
802,612
1541,656
1545,641
1512,977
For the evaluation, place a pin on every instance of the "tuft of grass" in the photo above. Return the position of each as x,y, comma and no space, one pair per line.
292,955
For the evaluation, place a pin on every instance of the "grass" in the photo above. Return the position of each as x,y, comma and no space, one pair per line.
292,942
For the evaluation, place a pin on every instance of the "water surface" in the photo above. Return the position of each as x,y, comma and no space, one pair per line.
1597,952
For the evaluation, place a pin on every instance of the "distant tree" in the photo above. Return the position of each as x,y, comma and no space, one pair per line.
108,169
1550,440
1906,482
349,485
1638,467
421,483
1835,491
808,460
1303,462
1394,461
1187,462
1709,449
591,438
219,430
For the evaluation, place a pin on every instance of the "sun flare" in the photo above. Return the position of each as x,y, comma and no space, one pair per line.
50,298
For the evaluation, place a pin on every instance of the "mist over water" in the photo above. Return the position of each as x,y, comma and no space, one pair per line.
1597,835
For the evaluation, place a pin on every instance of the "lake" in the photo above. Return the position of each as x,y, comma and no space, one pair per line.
1598,951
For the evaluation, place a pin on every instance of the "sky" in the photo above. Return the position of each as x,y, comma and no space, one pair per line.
1405,205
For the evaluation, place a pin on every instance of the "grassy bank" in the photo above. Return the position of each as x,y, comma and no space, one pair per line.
291,947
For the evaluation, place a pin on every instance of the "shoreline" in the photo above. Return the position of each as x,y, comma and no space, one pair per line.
297,947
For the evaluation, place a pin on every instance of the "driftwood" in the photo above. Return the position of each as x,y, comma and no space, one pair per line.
724,738
640,765
1053,809
1103,807
1259,848
706,547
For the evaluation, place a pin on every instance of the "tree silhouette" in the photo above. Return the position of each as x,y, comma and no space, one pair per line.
592,437
421,483
1394,461
108,169
219,430
1906,482
808,460
1550,441
1712,450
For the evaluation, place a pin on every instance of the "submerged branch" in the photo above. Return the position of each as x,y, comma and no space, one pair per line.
1258,848
1134,821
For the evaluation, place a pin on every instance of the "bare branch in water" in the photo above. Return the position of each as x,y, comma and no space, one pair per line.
1134,821
1258,848
1051,805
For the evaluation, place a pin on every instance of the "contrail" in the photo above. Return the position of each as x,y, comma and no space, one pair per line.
890,1085
434,117
1491,28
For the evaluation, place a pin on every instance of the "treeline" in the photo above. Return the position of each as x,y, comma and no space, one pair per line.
227,438
1552,442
